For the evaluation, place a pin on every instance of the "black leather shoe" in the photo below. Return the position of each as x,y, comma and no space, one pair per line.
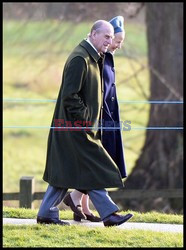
76,209
116,220
42,220
91,217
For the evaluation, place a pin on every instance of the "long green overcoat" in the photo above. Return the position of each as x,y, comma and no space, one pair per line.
77,159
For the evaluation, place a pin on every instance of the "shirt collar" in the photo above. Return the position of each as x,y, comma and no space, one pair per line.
92,45
94,54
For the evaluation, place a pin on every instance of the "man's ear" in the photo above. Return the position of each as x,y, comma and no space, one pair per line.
93,34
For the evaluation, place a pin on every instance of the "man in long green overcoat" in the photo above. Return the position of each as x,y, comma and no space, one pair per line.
75,157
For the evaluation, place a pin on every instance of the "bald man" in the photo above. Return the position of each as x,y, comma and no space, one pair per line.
76,158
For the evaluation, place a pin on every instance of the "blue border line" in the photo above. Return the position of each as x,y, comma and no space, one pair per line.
121,101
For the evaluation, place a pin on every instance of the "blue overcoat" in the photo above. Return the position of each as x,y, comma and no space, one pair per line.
112,139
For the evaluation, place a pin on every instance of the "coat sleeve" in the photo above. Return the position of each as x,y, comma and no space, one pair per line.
74,77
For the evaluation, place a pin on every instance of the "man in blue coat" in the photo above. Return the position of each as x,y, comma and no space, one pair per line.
111,138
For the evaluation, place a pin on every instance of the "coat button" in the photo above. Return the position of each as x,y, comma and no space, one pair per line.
112,98
113,84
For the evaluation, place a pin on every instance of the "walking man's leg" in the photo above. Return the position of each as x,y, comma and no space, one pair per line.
107,208
48,211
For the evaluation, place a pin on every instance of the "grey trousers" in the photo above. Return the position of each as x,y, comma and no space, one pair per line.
53,197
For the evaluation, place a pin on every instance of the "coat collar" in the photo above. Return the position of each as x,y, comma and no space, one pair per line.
90,50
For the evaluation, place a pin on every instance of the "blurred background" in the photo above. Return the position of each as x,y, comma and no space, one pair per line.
37,39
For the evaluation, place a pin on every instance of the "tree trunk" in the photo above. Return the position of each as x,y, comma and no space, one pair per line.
160,164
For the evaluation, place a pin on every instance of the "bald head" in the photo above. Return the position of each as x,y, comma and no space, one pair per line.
101,35
101,24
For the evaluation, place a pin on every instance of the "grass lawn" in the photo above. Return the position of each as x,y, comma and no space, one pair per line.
81,236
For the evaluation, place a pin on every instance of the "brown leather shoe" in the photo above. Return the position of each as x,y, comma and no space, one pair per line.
76,209
91,217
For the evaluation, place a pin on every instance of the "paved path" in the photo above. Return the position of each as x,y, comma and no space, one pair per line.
128,225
